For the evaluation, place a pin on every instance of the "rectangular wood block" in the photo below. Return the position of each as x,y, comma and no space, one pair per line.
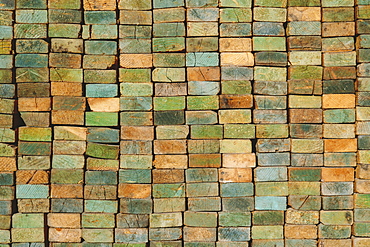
60,220
227,175
64,235
340,145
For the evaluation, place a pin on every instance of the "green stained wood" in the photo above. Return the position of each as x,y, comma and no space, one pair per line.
236,87
168,29
136,118
169,205
210,160
269,14
103,135
361,229
305,86
7,106
168,190
201,3
169,117
28,235
136,89
68,161
200,44
304,202
101,47
202,102
235,29
97,235
268,218
204,204
362,200
7,91
33,31
168,74
34,148
242,204
34,162
7,135
101,119
165,220
131,220
270,102
66,176
101,206
236,189
338,14
305,174
239,131
6,32
234,219
135,5
304,188
136,206
32,191
35,134
337,3
235,15
65,4
6,18
338,232
336,217
136,161
201,175
269,44
272,189
169,15
200,219
201,117
32,46
169,59
142,176
31,60
36,4
236,3
103,31
134,75
6,61
271,58
100,17
275,232
99,76
101,177
102,151
269,3
63,30
97,164
270,74
169,103
65,16
206,131
304,3
202,59
7,193
339,116
168,44
305,72
31,16
135,32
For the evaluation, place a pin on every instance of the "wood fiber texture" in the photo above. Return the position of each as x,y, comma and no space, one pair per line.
195,123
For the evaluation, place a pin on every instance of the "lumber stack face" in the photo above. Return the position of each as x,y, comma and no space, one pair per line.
196,123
